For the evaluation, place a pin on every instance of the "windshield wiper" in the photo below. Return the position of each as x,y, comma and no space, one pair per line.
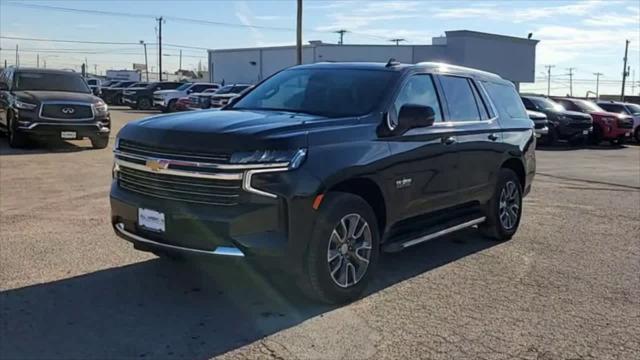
283,110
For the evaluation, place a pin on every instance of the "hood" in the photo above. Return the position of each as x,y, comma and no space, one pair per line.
575,115
534,115
165,92
135,89
604,114
228,130
224,96
42,96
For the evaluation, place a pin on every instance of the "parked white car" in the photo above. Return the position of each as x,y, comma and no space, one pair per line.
166,100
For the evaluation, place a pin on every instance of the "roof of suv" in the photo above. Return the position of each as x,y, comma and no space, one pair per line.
44,71
434,67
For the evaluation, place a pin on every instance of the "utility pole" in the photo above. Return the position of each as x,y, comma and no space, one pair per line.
44,63
146,62
598,74
159,48
341,32
624,69
180,63
633,82
397,41
17,63
299,34
37,60
571,80
95,69
549,67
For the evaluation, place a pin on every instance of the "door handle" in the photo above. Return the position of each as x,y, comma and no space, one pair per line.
448,140
493,137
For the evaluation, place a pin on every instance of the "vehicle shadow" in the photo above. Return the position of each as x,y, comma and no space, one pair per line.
41,147
199,309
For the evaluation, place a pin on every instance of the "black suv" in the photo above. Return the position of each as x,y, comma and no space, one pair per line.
320,167
564,125
141,98
51,103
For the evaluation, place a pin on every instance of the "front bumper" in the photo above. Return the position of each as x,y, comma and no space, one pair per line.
159,102
129,101
542,132
30,124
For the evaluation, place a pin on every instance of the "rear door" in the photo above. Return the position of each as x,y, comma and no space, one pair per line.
422,173
477,131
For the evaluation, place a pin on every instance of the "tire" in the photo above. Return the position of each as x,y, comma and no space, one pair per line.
118,100
551,138
338,212
596,135
100,142
577,141
144,104
618,141
171,107
497,227
17,140
636,134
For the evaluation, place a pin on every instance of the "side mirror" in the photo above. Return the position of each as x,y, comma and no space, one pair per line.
3,86
415,116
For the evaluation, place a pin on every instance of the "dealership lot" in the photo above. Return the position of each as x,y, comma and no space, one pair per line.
566,286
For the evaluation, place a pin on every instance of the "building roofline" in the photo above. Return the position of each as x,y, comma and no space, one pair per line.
454,33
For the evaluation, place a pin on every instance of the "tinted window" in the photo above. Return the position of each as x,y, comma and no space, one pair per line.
479,101
184,86
49,82
418,90
200,88
528,104
460,99
568,105
331,92
171,86
239,89
615,108
546,104
634,109
506,100
225,89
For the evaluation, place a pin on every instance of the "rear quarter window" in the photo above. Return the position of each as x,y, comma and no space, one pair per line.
506,100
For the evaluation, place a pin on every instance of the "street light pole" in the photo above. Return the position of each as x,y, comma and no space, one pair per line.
598,74
146,62
299,34
549,78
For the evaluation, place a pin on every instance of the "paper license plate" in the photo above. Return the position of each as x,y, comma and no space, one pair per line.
68,134
151,220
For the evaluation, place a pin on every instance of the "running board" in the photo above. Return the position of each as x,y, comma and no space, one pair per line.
399,246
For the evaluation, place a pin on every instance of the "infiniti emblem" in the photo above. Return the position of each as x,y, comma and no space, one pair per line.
68,110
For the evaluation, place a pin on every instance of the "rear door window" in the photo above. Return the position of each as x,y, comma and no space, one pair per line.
461,101
506,100
614,108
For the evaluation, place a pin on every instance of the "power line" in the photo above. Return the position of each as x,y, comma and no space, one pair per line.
68,41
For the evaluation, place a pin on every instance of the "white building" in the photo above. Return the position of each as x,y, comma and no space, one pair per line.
512,58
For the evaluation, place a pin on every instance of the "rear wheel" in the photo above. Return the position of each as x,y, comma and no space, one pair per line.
505,207
144,103
343,251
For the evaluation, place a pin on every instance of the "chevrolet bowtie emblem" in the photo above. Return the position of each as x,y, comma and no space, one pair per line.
157,165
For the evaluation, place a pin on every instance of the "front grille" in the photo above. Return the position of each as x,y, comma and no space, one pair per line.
540,124
580,124
66,111
180,188
625,123
133,147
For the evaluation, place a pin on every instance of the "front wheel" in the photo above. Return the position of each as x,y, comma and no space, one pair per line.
100,142
144,103
637,134
171,107
619,141
343,251
504,210
16,139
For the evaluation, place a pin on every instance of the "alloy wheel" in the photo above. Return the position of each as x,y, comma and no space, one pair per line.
509,206
349,251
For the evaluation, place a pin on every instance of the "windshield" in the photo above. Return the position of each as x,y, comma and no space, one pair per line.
184,86
50,82
634,109
547,104
325,92
585,105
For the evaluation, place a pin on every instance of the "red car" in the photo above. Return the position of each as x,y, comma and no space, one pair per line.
183,104
616,128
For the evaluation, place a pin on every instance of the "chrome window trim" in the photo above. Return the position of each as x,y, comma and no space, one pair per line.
93,110
220,250
184,173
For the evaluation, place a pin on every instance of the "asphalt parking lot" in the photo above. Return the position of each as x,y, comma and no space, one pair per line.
567,286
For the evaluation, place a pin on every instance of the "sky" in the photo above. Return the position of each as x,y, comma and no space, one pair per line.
588,36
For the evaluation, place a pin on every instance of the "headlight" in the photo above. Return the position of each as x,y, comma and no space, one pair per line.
101,107
291,158
608,120
25,106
